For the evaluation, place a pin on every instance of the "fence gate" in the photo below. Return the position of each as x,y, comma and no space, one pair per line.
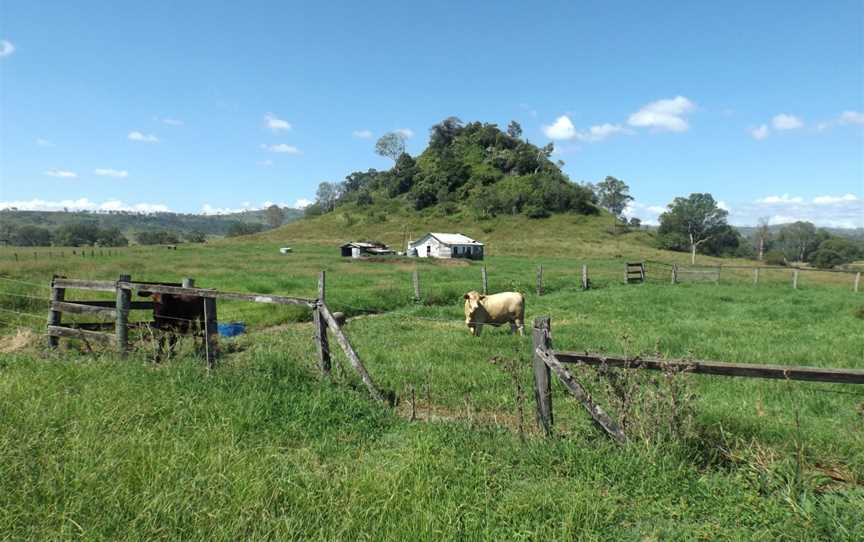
634,272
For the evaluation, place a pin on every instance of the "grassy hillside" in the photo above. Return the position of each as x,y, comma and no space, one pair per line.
562,235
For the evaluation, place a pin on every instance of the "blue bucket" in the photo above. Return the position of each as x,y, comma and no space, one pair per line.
232,329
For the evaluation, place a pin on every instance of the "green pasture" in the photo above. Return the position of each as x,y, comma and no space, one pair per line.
95,447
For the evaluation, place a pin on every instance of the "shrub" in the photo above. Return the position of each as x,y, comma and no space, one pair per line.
825,258
775,257
237,229
157,238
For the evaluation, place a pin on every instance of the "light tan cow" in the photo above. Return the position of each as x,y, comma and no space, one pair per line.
500,308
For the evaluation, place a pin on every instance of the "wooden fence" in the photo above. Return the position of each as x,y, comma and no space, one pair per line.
53,254
546,361
641,272
118,310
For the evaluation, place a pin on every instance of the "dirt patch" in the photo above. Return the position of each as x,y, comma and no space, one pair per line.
22,339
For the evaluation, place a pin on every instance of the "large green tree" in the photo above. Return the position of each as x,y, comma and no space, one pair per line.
691,222
613,195
391,145
800,239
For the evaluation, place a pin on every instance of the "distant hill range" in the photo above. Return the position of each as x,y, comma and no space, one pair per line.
131,222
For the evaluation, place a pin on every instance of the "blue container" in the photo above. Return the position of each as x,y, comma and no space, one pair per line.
232,329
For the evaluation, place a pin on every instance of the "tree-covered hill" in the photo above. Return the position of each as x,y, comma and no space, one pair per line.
474,168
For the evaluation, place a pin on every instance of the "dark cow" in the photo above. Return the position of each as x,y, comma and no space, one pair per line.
174,315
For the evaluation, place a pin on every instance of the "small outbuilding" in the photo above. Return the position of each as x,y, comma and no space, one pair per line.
446,245
359,249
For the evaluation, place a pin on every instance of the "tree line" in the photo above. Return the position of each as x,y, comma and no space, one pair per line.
79,231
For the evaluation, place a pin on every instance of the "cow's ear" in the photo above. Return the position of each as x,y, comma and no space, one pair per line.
482,296
465,296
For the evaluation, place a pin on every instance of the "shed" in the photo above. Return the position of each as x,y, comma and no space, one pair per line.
358,249
446,245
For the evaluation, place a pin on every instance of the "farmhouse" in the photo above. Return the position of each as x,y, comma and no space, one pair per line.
358,249
446,245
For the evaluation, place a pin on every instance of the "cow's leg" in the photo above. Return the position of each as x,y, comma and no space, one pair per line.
513,328
478,328
520,325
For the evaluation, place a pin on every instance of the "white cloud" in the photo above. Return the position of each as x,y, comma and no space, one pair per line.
208,209
276,124
785,199
301,203
43,142
61,173
83,204
562,128
145,138
844,118
648,214
601,132
842,211
281,148
786,122
851,117
407,133
760,132
362,134
723,205
108,172
172,122
6,48
664,115
829,200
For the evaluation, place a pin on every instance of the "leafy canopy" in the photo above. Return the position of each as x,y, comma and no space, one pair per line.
474,167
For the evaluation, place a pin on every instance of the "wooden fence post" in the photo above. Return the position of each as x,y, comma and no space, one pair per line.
211,331
485,278
416,280
352,356
54,317
540,279
674,273
542,375
755,275
717,277
857,281
322,342
795,279
585,283
121,327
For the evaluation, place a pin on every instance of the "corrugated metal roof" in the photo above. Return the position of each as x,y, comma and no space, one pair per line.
455,239
361,244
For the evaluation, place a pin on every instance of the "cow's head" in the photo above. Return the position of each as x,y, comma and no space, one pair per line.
473,310
473,301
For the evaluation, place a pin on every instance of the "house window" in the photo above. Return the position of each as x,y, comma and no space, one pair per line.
428,249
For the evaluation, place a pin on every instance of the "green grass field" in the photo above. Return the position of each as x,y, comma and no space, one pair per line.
98,448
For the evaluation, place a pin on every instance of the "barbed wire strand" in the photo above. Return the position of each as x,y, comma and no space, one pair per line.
25,282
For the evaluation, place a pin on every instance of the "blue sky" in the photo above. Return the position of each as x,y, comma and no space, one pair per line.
193,106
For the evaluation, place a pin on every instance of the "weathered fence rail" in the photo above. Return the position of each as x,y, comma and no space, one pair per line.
547,361
719,368
118,310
